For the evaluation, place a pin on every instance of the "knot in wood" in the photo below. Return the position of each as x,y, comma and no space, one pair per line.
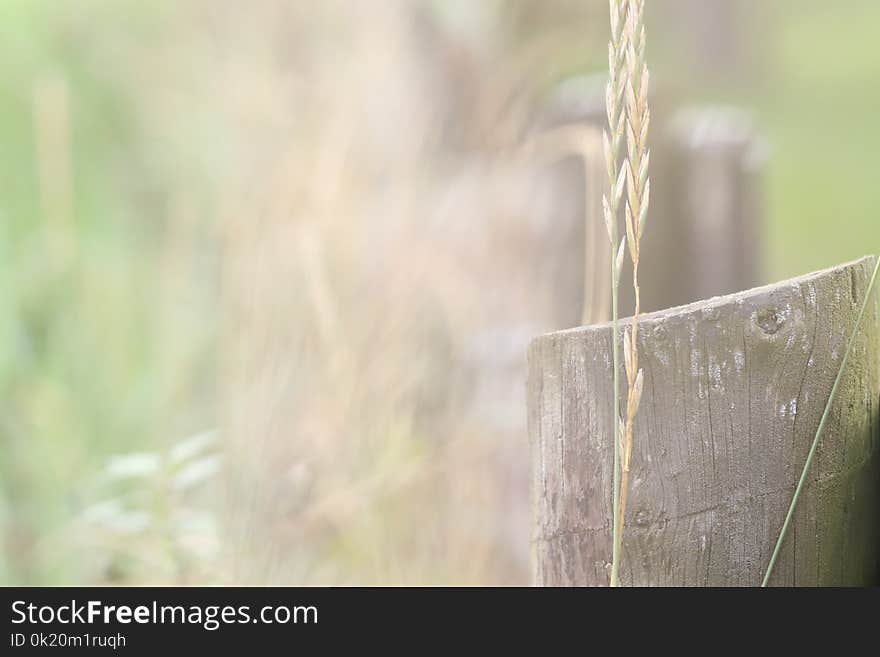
770,320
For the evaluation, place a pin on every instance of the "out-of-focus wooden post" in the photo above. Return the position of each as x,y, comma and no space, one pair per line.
704,233
720,161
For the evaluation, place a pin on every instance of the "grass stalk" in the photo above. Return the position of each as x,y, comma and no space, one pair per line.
612,139
638,118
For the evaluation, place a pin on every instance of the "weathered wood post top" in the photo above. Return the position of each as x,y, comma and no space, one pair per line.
734,391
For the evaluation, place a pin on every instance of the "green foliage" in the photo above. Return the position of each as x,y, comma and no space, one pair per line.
87,369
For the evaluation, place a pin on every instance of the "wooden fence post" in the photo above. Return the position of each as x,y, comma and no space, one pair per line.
734,390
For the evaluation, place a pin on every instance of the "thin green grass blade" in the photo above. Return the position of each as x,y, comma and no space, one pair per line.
825,415
615,364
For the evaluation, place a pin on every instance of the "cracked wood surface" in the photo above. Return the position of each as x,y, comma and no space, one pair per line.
734,391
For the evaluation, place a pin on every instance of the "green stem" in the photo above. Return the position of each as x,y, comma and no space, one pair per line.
615,350
820,430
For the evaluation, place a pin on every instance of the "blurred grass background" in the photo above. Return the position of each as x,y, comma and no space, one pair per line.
819,109
213,217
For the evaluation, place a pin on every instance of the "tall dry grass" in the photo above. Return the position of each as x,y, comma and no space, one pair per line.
628,119
340,243
638,119
612,140
373,298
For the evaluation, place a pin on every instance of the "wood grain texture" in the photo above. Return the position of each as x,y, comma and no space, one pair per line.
734,391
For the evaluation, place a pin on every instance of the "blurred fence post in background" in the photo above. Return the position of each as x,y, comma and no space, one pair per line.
707,209
720,160
735,389
718,37
569,165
